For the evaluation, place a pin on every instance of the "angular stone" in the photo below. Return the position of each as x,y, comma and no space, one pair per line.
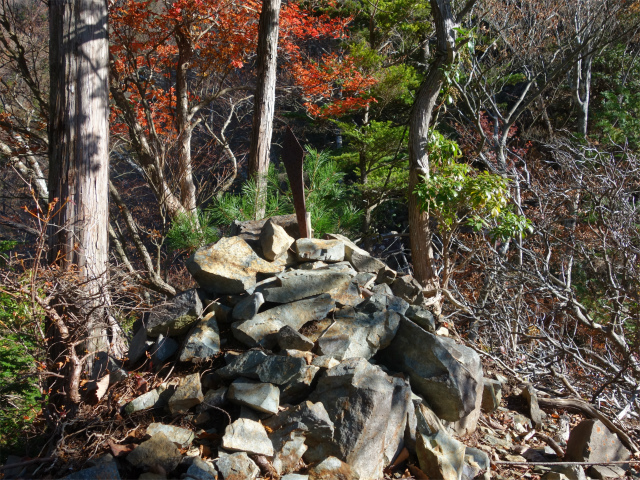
237,466
448,375
152,399
406,287
359,335
299,387
475,462
313,249
299,284
275,241
381,303
361,260
176,316
491,395
229,266
574,472
104,471
289,447
163,349
263,397
157,451
260,330
280,369
244,365
187,395
138,346
592,441
325,361
386,276
251,229
313,420
554,476
213,398
182,436
245,435
201,470
290,339
332,468
369,410
382,289
295,476
535,414
203,341
248,307
440,456
364,279
422,317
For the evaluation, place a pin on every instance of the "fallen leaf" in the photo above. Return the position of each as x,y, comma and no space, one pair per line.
120,450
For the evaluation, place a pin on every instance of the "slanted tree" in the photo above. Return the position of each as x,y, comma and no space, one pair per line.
79,162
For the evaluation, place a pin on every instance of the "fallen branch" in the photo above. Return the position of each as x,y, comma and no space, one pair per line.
585,408
552,443
584,464
25,463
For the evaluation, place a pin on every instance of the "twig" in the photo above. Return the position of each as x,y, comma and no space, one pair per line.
552,443
618,462
25,463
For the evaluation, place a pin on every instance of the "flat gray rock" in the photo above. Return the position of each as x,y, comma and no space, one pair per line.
203,341
229,266
188,394
298,284
244,365
260,330
248,307
314,249
369,411
104,471
237,466
263,397
246,435
157,451
174,317
180,435
290,339
448,375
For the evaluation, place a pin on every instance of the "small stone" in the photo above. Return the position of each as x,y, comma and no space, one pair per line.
290,339
163,349
554,476
361,260
289,447
491,395
213,398
187,395
382,289
248,307
244,365
144,401
440,456
364,279
280,369
421,317
263,397
275,241
332,468
237,466
535,414
325,361
182,436
201,470
176,316
247,436
574,472
295,476
157,451
203,341
104,471
299,387
407,288
312,249
386,276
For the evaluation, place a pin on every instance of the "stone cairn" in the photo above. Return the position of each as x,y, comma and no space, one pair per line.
371,380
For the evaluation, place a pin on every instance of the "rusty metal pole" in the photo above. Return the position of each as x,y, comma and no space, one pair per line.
293,157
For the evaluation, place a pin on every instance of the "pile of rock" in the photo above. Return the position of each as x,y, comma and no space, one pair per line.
343,370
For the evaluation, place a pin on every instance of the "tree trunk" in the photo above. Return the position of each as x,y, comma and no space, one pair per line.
79,155
581,89
420,231
265,100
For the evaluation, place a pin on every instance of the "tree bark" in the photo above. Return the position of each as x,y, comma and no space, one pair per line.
264,103
78,153
420,231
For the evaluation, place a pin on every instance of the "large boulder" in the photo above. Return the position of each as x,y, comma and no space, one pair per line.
448,375
261,329
229,266
369,410
176,316
592,441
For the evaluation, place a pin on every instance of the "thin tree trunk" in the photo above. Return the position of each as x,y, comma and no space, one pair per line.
78,153
420,231
265,99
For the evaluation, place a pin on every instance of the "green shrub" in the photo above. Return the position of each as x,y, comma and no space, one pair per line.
187,234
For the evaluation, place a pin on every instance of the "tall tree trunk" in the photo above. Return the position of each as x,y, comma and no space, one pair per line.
265,100
420,231
79,155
